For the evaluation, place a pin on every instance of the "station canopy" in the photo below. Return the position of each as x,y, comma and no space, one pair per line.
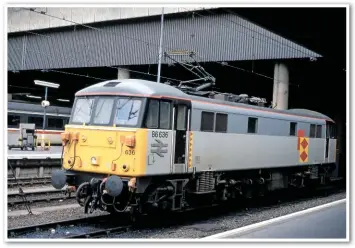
219,37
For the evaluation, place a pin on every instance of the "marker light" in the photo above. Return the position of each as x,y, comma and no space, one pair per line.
130,141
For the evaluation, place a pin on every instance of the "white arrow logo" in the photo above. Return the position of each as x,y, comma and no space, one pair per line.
158,148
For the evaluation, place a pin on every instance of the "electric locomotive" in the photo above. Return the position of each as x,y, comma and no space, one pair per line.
141,146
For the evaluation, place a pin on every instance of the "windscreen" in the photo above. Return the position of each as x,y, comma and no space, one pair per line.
127,111
118,111
103,111
82,110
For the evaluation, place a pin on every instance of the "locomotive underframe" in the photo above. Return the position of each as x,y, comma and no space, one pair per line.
177,192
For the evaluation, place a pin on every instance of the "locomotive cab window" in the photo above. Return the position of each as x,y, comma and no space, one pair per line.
164,115
152,120
252,125
158,114
181,117
332,131
207,120
293,128
82,110
103,109
319,131
127,111
221,123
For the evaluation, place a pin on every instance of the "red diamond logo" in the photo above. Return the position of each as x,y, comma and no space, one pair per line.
303,156
304,143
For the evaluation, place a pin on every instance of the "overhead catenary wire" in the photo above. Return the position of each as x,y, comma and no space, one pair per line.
75,74
151,43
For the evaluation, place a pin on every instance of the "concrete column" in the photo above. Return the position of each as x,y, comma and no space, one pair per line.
281,86
17,172
122,74
40,172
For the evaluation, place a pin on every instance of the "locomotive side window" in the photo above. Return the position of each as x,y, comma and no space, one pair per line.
152,120
82,110
103,111
319,131
221,123
13,121
252,125
207,120
312,131
127,111
159,114
165,116
293,128
181,118
332,131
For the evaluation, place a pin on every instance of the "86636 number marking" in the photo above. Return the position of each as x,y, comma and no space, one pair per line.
160,134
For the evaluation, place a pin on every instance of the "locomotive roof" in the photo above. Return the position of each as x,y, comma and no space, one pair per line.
138,87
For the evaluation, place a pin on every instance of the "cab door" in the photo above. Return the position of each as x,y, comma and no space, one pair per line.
327,135
181,127
331,143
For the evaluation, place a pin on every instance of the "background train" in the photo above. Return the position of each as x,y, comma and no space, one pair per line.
150,146
24,112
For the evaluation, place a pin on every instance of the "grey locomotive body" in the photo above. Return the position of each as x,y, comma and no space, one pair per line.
201,150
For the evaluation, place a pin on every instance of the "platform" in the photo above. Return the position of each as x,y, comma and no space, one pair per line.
53,153
323,222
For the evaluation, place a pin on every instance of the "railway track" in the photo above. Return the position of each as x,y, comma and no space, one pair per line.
28,181
89,227
15,198
100,233
107,226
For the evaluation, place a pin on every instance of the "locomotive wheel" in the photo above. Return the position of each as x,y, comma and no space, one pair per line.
82,193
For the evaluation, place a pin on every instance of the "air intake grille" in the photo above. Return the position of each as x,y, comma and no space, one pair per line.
206,182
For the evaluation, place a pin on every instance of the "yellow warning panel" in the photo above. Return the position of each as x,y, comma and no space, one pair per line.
303,152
